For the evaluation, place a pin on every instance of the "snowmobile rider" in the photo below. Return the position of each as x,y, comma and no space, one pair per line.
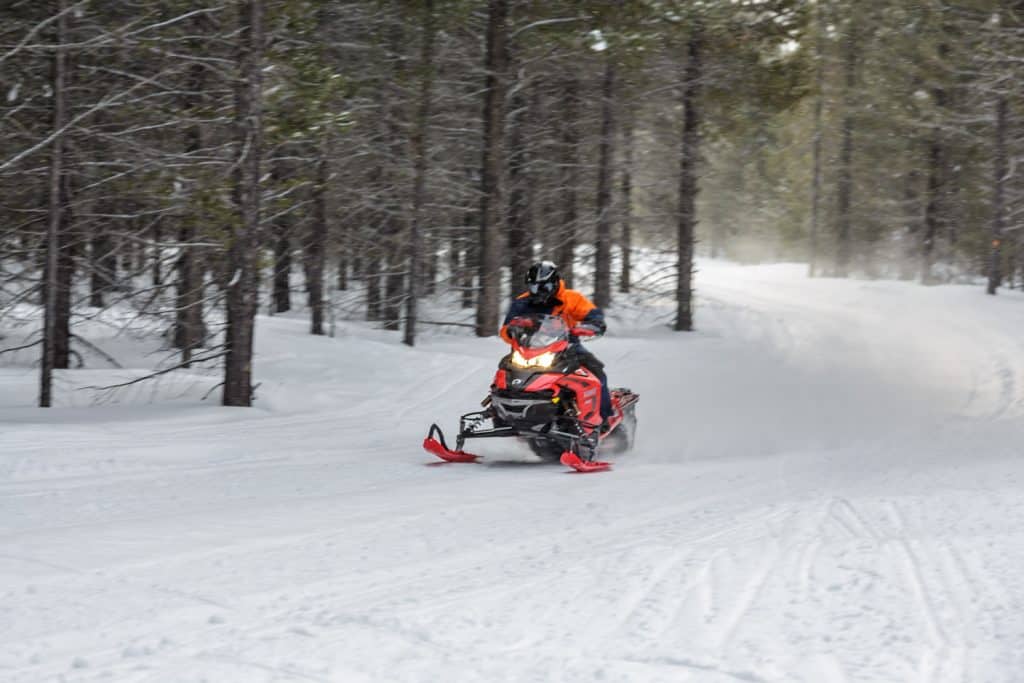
548,295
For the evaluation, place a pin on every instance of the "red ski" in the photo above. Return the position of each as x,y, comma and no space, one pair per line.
580,465
439,448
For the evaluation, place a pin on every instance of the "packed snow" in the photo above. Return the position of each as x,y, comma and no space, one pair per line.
828,486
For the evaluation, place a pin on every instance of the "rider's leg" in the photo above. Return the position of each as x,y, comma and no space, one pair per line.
590,361
606,398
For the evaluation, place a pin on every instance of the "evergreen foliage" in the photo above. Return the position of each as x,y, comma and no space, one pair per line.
400,149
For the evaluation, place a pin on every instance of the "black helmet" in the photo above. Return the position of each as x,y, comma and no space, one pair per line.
543,281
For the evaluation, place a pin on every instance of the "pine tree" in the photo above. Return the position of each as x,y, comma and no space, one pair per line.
242,287
491,209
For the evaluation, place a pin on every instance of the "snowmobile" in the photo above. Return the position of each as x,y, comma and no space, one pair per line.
543,395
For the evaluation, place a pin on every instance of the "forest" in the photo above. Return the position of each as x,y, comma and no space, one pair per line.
197,163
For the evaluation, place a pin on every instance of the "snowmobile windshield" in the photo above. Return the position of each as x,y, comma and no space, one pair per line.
550,330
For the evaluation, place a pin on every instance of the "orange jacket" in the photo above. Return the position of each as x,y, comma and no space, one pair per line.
572,306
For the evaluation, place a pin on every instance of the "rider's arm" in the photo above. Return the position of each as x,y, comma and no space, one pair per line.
583,310
517,308
595,318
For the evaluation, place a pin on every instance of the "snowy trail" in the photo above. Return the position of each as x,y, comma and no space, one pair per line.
827,487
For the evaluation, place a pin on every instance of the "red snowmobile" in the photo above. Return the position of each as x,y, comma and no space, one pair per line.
543,395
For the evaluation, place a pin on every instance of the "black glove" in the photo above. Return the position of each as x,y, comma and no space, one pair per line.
520,327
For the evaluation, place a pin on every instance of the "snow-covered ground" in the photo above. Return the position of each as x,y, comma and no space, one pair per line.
828,486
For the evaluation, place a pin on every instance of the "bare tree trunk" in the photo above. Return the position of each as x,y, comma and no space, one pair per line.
100,243
127,260
1020,260
346,233
936,205
433,262
819,106
343,259
605,175
688,183
912,231
316,246
395,220
368,259
189,330
157,265
626,241
282,264
570,178
138,249
102,263
469,259
371,275
464,255
419,143
492,231
280,236
520,238
66,254
68,242
932,205
394,284
524,90
54,221
995,275
845,173
242,287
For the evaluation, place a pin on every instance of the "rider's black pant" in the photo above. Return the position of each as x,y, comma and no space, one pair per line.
590,362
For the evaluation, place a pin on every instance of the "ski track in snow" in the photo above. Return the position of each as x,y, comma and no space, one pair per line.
826,489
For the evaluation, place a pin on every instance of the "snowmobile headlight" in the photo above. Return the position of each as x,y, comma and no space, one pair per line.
544,360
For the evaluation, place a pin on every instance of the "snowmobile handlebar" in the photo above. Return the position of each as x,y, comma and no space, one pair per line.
524,323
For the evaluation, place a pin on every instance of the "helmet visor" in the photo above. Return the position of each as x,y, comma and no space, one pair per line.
541,291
